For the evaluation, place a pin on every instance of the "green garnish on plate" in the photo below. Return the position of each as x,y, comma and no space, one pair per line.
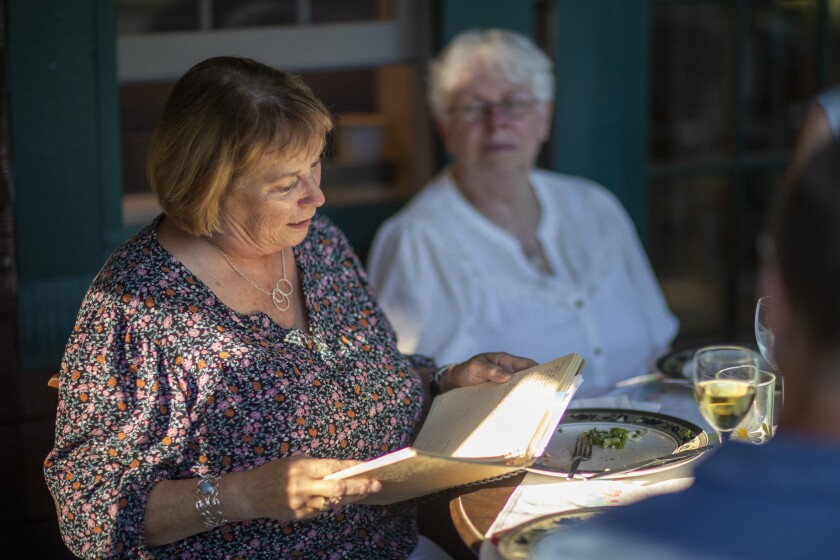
614,438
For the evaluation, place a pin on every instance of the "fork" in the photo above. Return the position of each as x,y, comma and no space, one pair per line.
582,452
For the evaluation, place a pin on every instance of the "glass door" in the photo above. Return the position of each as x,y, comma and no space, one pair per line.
728,84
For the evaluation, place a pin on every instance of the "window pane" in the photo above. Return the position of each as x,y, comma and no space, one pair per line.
834,42
140,104
759,191
689,249
156,16
335,11
364,123
691,81
150,16
254,13
355,151
782,72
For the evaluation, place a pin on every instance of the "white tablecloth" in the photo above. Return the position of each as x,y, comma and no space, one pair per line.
539,495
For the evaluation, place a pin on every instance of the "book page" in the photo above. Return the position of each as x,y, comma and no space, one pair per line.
552,419
496,419
424,474
476,433
397,456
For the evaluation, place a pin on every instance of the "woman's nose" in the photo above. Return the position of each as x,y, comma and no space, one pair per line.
314,195
494,115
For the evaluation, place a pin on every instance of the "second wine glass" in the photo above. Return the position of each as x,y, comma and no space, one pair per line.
764,331
724,385
765,336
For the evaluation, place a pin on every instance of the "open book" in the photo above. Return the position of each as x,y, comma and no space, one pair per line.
476,433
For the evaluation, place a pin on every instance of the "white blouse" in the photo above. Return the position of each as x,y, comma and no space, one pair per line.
454,284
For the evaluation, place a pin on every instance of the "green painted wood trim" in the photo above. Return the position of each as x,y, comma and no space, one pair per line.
110,148
47,310
601,108
457,15
64,147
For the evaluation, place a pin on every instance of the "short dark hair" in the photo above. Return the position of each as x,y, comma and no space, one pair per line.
806,233
222,115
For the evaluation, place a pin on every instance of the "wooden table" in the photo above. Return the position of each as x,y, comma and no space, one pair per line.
474,509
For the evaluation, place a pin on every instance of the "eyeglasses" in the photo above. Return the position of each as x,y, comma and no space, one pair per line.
507,108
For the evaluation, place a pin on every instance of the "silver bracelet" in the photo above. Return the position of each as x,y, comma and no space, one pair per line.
207,502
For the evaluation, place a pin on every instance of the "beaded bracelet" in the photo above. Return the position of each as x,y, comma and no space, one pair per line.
207,502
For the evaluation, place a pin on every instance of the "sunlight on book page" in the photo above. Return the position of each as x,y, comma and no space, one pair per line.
497,420
516,420
552,419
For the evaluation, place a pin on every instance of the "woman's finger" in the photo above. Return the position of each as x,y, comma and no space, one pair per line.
349,490
319,504
495,367
294,487
319,468
333,494
509,362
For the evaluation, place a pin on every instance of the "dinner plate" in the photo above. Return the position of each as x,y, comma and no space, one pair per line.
679,363
518,543
651,434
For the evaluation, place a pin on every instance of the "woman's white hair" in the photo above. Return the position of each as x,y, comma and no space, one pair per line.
494,52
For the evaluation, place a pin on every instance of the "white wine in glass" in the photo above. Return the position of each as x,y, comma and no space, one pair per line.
725,384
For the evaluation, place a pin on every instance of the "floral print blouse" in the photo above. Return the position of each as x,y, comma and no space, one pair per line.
161,380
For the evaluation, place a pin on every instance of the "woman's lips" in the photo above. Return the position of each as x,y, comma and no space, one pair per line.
301,225
499,147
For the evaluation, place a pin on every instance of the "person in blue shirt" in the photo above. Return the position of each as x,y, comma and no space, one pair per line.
781,499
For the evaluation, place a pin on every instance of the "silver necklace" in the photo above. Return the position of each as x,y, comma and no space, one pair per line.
282,288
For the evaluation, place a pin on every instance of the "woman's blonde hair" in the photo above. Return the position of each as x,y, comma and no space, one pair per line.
497,52
222,115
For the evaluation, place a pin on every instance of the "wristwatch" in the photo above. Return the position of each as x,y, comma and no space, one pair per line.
434,382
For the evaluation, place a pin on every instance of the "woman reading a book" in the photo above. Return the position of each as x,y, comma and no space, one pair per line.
496,254
230,356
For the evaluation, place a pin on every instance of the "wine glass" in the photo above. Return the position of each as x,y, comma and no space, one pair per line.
763,330
724,385
766,340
